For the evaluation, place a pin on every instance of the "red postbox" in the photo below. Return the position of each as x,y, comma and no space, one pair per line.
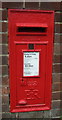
30,59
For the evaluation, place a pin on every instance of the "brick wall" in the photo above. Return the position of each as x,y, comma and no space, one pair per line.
55,112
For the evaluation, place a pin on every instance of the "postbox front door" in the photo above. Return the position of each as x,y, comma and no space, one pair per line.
30,81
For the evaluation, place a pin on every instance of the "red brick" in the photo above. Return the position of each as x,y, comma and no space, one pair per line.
56,87
56,58
4,49
1,49
60,58
50,6
0,60
61,38
0,4
5,99
61,77
1,38
5,90
61,85
61,28
57,38
61,6
56,68
12,5
4,26
4,70
5,80
56,77
57,48
56,96
0,27
58,17
58,28
0,15
0,70
61,48
0,89
4,15
32,5
0,80
4,38
4,60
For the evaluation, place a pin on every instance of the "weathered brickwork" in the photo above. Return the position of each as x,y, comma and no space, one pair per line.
57,59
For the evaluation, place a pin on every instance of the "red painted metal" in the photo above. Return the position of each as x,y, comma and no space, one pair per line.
30,93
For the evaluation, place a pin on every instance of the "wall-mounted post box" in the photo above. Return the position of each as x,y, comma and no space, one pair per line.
30,59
